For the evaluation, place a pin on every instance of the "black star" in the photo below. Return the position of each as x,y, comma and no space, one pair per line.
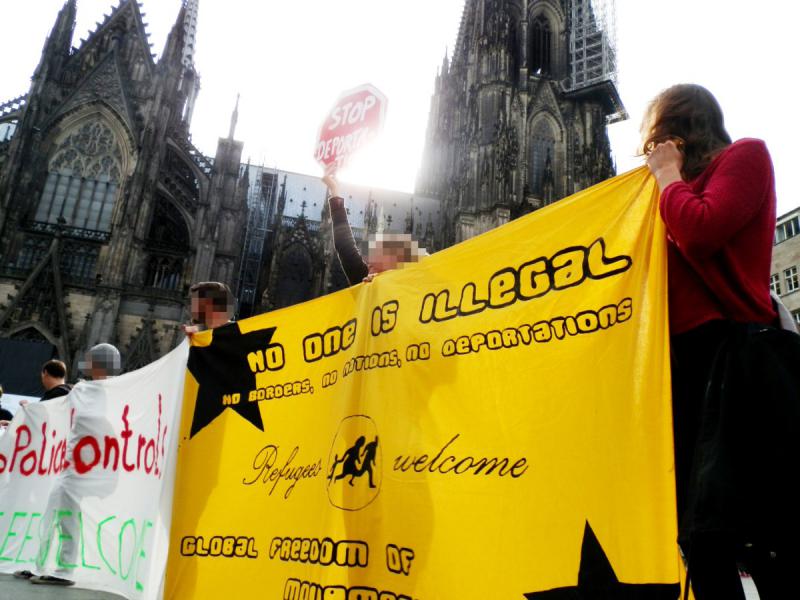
597,580
221,369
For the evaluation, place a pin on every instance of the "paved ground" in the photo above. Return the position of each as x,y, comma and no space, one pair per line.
17,589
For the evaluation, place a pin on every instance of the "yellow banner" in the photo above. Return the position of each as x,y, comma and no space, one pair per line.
493,422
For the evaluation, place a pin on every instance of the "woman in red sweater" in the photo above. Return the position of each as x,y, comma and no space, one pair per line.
718,204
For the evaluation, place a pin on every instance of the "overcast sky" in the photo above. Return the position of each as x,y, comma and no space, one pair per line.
290,59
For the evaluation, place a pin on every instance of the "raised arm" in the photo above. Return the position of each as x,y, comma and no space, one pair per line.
355,269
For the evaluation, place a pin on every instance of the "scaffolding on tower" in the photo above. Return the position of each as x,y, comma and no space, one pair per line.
593,48
260,205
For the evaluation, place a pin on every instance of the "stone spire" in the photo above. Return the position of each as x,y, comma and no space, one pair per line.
59,42
65,23
189,31
234,119
174,44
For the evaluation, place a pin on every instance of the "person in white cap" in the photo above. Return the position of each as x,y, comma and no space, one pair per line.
102,361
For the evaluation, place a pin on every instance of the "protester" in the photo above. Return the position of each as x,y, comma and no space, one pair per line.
212,305
718,203
386,251
102,361
5,414
54,373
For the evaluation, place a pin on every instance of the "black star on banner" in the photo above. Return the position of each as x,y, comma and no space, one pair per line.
597,580
221,369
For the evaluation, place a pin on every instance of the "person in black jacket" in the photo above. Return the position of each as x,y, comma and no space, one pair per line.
386,251
54,373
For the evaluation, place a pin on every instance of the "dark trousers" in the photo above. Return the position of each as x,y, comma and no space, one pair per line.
713,557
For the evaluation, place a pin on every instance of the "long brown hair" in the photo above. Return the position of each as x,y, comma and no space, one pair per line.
689,112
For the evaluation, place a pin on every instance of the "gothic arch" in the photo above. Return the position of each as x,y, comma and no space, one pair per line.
169,226
552,10
198,172
552,120
89,159
546,156
542,46
545,24
19,331
168,245
164,195
99,110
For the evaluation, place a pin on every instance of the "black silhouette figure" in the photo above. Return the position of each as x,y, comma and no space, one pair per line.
368,460
355,461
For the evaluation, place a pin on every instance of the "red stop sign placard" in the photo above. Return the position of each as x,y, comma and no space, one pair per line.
355,119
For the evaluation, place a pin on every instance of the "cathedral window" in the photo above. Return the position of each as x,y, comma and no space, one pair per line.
542,156
32,252
541,53
138,71
165,272
78,261
83,179
169,246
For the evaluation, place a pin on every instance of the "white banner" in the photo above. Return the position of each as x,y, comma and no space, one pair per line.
86,481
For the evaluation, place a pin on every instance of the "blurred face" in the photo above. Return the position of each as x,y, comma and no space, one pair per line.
200,309
382,259
93,370
205,313
386,254
102,366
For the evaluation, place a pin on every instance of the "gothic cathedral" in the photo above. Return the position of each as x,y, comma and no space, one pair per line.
518,116
107,210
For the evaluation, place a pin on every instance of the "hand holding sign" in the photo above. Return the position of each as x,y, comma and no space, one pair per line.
356,118
329,179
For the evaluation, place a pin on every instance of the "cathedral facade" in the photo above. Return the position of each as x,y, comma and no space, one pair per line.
107,210
518,116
